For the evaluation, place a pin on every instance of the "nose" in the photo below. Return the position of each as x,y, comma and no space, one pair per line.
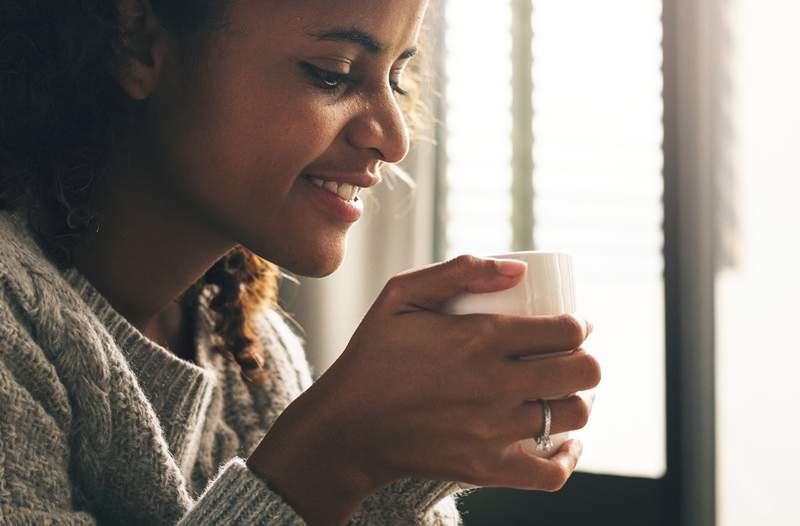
381,127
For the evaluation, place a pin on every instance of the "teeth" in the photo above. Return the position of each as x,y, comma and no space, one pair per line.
346,191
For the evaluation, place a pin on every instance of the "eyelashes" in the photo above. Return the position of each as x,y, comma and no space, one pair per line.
327,80
333,82
397,89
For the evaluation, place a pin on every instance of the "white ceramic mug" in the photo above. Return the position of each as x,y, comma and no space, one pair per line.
548,288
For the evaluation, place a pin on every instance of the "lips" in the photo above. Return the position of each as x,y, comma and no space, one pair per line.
328,198
345,191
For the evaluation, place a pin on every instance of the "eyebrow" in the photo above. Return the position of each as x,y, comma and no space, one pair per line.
360,37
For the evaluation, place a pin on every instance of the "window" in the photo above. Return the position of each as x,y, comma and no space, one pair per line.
595,187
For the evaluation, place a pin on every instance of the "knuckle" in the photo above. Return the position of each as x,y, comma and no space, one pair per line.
473,386
393,288
465,261
480,432
476,332
485,328
463,343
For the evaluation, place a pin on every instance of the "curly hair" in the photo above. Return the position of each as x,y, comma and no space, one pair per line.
62,113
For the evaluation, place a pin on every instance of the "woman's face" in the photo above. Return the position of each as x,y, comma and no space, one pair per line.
289,89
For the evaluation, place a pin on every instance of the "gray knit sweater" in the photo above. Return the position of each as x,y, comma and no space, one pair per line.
100,425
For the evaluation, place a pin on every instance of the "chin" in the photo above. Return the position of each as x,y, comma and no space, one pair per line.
311,264
318,270
314,256
321,259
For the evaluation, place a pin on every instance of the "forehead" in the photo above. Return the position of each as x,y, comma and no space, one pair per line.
394,23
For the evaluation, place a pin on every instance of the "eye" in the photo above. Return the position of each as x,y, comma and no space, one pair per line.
327,80
397,89
394,79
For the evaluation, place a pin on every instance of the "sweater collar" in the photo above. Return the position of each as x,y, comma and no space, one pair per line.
179,391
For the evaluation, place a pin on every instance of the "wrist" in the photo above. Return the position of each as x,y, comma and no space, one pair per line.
322,496
322,485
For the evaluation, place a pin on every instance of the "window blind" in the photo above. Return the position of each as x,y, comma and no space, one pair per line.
596,185
478,127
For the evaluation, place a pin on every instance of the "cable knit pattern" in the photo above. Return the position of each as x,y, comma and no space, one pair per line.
100,425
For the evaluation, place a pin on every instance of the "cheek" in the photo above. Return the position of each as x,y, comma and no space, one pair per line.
268,148
235,152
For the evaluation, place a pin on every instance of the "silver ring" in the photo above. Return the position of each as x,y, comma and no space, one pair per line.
543,441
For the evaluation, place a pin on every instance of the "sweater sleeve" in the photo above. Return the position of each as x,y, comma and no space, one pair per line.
36,488
34,483
239,496
410,501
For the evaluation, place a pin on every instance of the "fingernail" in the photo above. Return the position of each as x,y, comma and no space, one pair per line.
587,327
510,267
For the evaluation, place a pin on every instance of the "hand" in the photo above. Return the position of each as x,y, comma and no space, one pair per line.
420,393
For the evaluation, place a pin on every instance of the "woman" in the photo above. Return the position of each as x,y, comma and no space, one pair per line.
159,160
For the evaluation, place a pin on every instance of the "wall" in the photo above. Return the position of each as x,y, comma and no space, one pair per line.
758,355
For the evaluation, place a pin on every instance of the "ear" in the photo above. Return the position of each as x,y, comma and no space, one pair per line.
139,58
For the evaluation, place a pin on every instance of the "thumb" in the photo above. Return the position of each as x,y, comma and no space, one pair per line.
429,287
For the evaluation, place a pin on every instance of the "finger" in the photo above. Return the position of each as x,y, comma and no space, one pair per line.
516,336
550,379
589,397
429,287
523,470
569,414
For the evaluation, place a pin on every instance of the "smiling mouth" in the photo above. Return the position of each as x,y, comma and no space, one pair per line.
344,191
